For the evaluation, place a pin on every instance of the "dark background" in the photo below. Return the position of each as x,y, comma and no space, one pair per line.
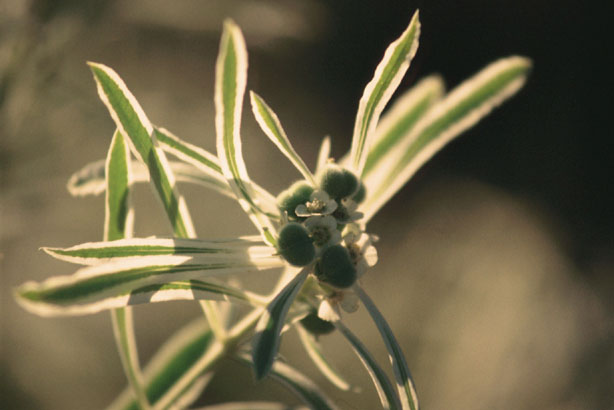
546,152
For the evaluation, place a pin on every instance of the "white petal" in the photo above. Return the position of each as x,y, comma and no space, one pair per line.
328,312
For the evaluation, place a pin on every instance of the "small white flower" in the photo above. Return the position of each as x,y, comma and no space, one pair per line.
319,204
330,307
323,230
346,212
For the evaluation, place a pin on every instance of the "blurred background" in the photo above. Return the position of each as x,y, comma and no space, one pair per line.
496,260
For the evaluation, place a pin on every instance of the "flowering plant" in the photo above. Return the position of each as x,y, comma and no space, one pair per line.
314,232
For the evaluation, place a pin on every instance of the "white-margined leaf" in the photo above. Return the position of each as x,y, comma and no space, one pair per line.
401,118
459,110
174,359
377,93
302,386
270,124
93,253
118,224
385,391
265,343
323,154
132,122
95,288
230,82
405,383
314,350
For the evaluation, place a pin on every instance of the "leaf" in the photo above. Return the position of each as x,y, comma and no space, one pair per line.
387,77
323,154
271,126
314,351
302,386
230,81
132,122
170,363
265,343
458,111
118,224
401,118
94,253
128,281
405,383
384,388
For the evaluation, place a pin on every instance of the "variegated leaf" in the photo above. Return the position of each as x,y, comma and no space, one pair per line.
387,77
230,82
458,111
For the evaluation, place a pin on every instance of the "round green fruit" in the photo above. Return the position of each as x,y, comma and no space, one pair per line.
335,267
316,326
338,182
297,194
295,245
360,194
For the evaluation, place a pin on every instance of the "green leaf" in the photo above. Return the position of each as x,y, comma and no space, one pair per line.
405,383
387,77
271,126
384,388
173,361
316,355
401,118
94,253
265,343
118,224
306,389
230,82
458,111
132,122
323,154
126,281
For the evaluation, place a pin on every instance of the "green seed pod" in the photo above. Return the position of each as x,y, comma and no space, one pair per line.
336,268
295,245
360,194
338,182
297,194
316,326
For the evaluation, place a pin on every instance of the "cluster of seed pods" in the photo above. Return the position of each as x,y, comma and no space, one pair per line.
316,219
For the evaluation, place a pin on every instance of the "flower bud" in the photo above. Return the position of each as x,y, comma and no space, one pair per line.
338,182
295,245
297,194
335,267
316,326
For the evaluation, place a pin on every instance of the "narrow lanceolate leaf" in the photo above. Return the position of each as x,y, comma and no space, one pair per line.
170,363
302,386
405,383
252,405
271,126
119,215
314,350
268,330
458,111
132,122
387,77
401,118
93,253
385,391
95,288
230,82
118,224
323,154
